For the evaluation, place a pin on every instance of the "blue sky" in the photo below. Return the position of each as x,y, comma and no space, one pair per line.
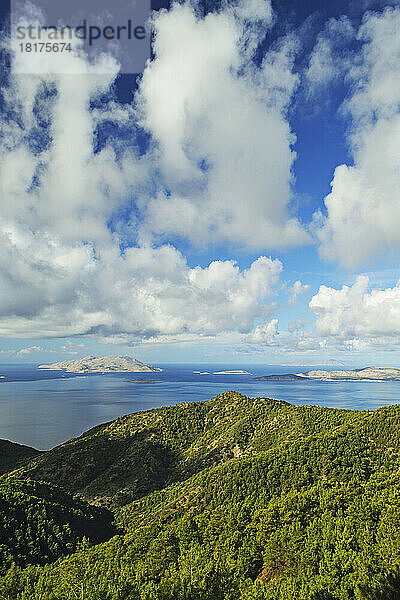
236,203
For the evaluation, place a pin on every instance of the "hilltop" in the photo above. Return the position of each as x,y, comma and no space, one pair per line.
127,458
106,364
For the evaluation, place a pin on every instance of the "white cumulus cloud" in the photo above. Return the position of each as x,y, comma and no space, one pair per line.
354,318
296,290
363,208
264,334
326,63
221,137
64,270
355,312
29,350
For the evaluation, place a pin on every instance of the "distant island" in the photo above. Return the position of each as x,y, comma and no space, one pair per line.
106,364
365,374
282,377
326,363
236,372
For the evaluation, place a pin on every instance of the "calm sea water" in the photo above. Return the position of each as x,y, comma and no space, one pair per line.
45,408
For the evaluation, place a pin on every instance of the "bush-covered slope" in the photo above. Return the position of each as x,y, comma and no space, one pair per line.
284,502
136,454
39,523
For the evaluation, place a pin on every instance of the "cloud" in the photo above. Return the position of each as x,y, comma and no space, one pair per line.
354,313
363,208
69,263
353,318
29,350
72,347
329,58
157,293
221,140
151,292
264,334
296,290
267,335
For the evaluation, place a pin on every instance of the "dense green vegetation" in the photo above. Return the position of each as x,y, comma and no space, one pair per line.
135,454
39,523
233,499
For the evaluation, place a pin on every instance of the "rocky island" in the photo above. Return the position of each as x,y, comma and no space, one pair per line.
365,374
281,377
105,364
234,372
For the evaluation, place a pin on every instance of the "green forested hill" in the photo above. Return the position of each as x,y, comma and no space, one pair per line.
236,499
135,454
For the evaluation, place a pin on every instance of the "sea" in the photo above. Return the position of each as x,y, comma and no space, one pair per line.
43,408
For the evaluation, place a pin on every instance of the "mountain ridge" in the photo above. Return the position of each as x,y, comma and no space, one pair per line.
127,458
